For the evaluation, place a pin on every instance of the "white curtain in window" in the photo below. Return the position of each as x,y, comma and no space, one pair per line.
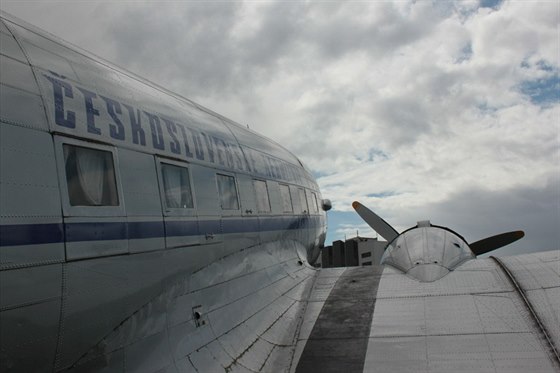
172,184
91,173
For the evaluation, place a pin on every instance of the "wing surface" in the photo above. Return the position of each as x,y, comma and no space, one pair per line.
472,320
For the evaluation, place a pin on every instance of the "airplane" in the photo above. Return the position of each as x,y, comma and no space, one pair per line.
143,232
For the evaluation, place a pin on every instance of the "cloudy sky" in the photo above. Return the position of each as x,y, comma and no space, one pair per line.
439,110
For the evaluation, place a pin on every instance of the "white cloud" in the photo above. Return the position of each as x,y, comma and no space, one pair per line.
349,230
401,104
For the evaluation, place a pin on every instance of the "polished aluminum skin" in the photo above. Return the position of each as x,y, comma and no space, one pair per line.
139,230
427,253
471,320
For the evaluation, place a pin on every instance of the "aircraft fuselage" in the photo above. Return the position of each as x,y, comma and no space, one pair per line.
115,192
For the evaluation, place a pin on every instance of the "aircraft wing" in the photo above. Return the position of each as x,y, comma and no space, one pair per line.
487,315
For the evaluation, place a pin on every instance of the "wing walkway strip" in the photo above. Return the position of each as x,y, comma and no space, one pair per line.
532,311
339,339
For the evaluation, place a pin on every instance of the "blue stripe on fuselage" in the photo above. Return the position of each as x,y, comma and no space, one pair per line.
35,234
30,234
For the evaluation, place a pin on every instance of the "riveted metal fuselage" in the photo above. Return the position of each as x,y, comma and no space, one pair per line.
116,193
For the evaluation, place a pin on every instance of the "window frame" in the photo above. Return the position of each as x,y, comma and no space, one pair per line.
280,185
70,210
227,211
257,197
174,211
313,201
305,207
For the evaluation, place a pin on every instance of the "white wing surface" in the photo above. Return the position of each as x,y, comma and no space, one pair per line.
475,319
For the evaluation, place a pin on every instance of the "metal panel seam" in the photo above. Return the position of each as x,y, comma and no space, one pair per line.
59,347
529,306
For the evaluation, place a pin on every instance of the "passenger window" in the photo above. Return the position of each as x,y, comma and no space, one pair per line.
263,202
303,200
286,198
228,192
177,187
90,176
315,203
310,202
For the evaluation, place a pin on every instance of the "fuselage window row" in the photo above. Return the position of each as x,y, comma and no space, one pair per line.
91,180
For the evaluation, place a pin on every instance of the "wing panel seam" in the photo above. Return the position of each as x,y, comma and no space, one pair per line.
529,306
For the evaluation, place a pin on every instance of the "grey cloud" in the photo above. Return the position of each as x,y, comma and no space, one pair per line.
195,42
380,36
278,31
402,119
477,213
188,47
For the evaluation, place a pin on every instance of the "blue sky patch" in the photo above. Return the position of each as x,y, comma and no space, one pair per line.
381,195
338,218
542,92
494,4
466,53
319,174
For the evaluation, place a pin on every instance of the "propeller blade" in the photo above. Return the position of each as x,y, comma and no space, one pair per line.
378,224
492,243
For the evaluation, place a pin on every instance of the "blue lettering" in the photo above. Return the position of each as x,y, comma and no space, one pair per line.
269,165
91,112
185,141
197,144
281,170
238,156
138,135
266,166
59,117
219,149
157,132
209,147
116,130
172,129
229,156
252,163
274,165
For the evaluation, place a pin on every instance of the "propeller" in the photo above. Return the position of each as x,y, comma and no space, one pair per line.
377,223
495,242
389,233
